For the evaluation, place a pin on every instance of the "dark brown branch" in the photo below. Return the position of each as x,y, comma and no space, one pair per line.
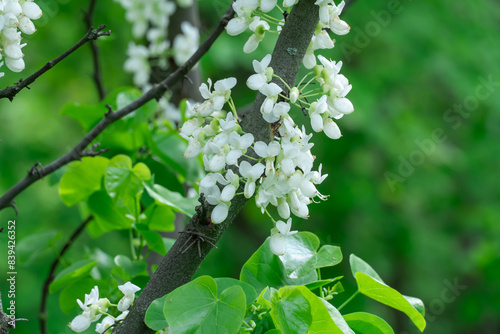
95,53
179,265
42,316
154,93
11,91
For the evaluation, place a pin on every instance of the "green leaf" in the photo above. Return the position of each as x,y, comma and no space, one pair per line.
371,285
172,199
318,284
170,147
160,217
132,267
386,295
124,183
195,308
74,291
366,323
29,247
266,269
154,318
225,282
358,265
107,217
153,239
86,115
301,256
82,179
74,272
337,317
89,115
295,309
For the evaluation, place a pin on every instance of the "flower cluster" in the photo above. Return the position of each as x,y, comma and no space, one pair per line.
150,21
94,307
281,172
217,134
15,17
249,17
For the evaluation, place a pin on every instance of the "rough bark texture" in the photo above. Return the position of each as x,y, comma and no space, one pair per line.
179,265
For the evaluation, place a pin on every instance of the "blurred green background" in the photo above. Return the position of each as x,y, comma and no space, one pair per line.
414,182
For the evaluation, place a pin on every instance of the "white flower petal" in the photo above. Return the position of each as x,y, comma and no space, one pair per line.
277,244
79,323
331,129
219,213
236,26
251,45
255,81
228,193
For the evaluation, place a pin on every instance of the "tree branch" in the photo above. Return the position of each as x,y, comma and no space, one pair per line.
95,53
11,91
42,316
154,93
179,265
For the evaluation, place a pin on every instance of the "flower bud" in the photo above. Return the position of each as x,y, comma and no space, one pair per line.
31,10
294,94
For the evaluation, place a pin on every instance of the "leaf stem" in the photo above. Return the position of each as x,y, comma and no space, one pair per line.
348,300
283,81
320,288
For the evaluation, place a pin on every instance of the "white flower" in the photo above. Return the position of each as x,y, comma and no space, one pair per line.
185,44
259,28
79,323
239,145
129,290
267,5
31,10
138,63
221,199
331,129
252,174
277,243
244,10
288,3
271,92
263,73
214,99
294,94
298,204
336,24
104,324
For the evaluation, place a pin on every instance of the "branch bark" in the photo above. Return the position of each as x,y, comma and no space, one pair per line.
11,91
179,265
95,53
111,116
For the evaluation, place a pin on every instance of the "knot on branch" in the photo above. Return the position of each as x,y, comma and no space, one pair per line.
37,169
95,34
92,152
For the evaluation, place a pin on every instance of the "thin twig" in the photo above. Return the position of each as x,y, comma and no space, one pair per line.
156,92
42,316
95,53
11,91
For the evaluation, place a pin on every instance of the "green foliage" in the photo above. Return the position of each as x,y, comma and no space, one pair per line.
362,322
297,267
284,304
71,274
371,285
82,179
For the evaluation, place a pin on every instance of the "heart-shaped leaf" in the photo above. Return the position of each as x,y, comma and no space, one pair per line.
295,309
82,179
195,308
